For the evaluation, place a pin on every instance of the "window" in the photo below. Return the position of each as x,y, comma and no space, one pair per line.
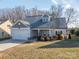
2,34
50,19
44,20
58,32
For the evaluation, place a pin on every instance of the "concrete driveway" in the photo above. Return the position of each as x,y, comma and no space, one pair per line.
9,43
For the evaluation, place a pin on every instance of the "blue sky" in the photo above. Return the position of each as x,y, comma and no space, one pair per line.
40,4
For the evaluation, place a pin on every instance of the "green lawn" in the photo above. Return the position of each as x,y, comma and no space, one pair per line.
60,49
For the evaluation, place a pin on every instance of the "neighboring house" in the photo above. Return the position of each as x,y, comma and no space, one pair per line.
5,30
38,25
20,30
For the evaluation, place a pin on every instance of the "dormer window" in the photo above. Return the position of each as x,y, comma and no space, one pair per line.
50,19
44,20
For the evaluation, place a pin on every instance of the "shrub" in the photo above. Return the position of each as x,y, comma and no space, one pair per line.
60,37
45,38
42,38
51,38
77,33
69,36
55,37
48,39
72,31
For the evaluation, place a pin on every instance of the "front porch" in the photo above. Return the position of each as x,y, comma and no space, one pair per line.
45,31
40,32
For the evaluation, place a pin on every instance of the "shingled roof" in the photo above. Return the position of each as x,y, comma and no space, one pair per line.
57,23
36,22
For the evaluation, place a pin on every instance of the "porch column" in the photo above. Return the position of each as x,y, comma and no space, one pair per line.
38,32
50,32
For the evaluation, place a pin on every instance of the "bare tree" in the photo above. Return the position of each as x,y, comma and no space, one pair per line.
34,11
56,11
71,15
20,12
3,14
28,13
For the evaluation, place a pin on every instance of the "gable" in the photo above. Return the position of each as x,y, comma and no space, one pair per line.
6,26
19,25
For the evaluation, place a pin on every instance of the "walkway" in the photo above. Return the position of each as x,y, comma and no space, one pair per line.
9,43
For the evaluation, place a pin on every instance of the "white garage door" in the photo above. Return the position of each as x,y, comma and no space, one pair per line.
21,34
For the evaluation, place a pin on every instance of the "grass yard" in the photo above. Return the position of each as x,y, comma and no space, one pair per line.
60,49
